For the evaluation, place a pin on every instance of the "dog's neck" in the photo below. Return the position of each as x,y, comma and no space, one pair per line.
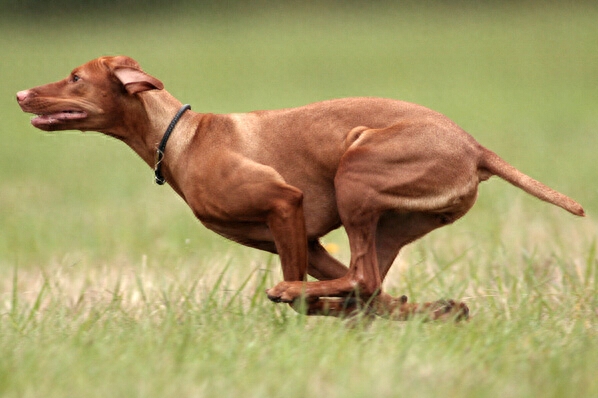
144,136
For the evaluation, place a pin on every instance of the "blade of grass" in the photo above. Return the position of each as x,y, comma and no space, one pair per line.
216,286
591,265
14,302
36,305
260,288
240,289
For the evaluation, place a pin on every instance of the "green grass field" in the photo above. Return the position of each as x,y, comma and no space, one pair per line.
110,288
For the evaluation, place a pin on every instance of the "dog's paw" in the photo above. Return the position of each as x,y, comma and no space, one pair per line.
448,309
285,292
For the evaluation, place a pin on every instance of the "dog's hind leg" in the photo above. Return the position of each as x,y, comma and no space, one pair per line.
322,265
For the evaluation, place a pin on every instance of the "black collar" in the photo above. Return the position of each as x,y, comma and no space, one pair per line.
159,178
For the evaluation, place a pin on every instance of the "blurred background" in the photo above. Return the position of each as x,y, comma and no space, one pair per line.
521,77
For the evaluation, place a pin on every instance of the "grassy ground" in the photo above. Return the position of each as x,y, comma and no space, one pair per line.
108,287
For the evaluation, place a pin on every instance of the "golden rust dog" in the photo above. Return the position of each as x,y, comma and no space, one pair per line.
388,171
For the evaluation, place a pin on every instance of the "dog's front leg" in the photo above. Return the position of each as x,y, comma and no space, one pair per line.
287,225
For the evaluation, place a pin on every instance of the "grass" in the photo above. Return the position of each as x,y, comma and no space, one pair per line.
108,287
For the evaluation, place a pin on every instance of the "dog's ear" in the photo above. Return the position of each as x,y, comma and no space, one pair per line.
128,71
136,81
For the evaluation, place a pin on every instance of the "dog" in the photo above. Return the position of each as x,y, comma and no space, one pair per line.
388,171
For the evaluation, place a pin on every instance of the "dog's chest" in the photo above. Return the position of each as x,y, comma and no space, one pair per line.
247,233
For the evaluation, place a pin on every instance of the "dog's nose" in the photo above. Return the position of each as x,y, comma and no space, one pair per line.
21,95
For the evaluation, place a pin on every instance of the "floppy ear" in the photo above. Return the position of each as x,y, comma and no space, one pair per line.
136,81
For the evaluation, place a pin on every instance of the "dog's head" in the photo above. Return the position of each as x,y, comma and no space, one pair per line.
92,97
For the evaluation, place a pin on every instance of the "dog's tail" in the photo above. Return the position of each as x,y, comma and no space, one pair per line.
492,164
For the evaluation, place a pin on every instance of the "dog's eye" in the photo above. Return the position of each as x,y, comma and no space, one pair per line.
76,78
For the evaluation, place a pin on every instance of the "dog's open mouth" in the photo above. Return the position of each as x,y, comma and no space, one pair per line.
57,117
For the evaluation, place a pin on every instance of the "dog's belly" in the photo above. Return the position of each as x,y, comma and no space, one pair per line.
320,212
